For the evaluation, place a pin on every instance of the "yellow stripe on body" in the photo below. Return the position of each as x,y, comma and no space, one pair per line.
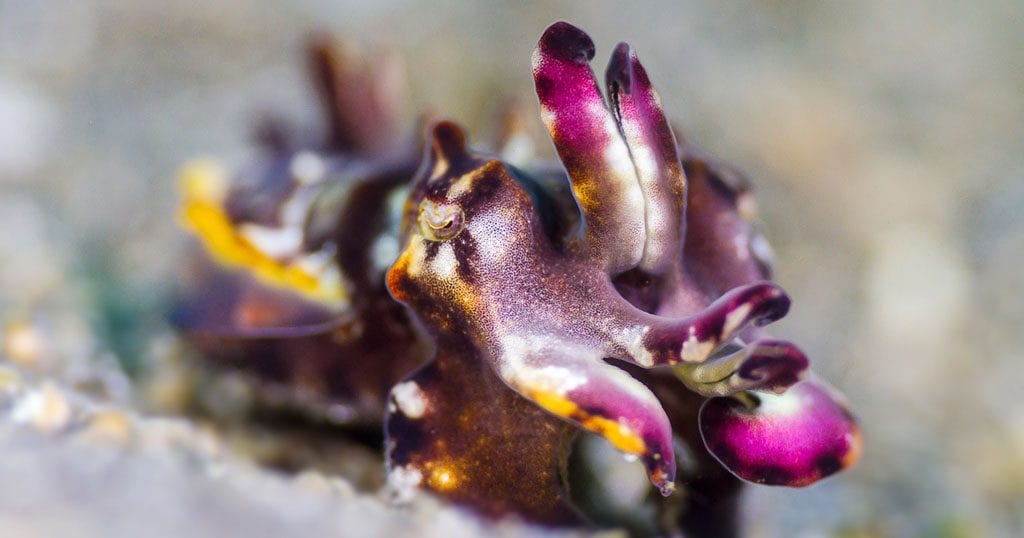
203,186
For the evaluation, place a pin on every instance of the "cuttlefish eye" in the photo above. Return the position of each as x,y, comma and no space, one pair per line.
440,222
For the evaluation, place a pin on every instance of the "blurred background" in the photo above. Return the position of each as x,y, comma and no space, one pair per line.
885,141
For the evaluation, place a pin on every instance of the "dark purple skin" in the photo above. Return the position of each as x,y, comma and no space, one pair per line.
622,296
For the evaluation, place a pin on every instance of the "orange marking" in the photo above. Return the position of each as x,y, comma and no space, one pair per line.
443,478
395,275
854,451
620,436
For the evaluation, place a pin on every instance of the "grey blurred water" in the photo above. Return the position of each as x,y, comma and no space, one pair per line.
885,141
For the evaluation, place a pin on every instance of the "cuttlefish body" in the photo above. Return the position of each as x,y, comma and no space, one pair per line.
532,322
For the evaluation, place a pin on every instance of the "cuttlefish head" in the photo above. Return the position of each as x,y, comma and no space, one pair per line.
467,222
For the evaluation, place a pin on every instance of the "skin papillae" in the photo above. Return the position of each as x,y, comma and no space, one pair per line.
621,294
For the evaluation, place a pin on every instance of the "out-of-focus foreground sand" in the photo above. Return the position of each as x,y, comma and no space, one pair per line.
885,141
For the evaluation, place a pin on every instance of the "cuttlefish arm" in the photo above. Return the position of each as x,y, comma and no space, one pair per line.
590,147
572,383
791,439
653,150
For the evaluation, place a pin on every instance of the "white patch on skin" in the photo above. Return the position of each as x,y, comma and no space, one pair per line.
444,264
629,206
416,255
653,182
616,155
645,162
440,167
307,167
536,61
491,232
780,405
402,482
410,399
548,116
554,379
318,263
735,318
694,350
516,369
285,241
462,185
632,338
278,243
519,371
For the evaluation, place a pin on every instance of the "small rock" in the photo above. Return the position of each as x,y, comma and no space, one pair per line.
342,488
10,380
206,443
45,408
22,344
109,426
170,388
313,481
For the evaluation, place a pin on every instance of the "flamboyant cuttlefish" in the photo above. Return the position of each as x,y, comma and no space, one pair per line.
487,307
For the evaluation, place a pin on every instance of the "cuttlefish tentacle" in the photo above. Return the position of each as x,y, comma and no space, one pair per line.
573,383
362,95
590,146
667,340
653,149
